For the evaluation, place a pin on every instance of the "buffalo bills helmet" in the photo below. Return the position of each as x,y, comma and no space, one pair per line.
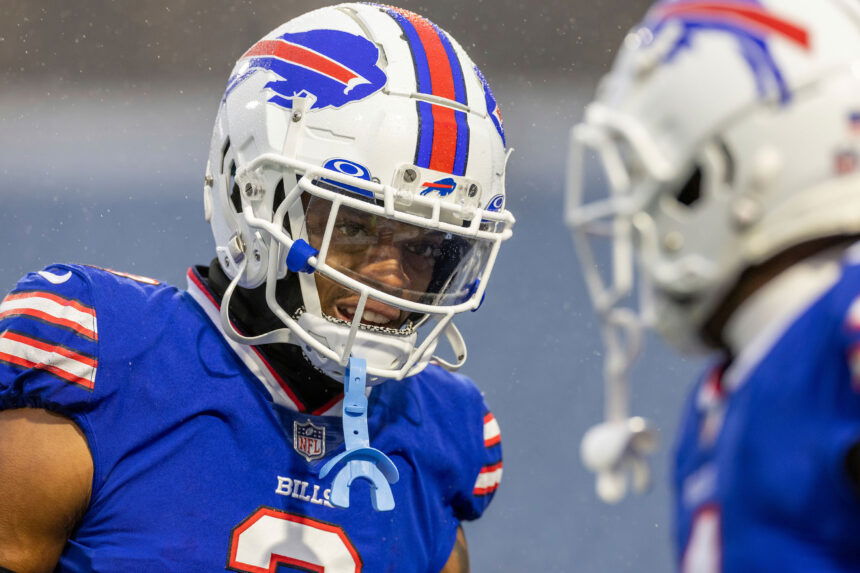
726,133
358,163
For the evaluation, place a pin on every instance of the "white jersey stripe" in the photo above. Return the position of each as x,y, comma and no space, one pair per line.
492,432
60,361
51,308
488,480
854,315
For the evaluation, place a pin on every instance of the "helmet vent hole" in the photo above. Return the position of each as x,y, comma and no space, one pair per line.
224,151
235,192
728,165
691,192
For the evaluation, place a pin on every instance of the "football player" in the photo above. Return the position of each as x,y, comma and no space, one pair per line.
355,189
726,138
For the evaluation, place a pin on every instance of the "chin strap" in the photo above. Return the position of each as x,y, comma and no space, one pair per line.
361,461
617,450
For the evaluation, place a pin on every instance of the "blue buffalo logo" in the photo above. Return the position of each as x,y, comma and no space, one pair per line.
747,21
492,106
443,187
330,67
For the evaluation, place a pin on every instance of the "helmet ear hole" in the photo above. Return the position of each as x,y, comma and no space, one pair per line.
235,198
691,192
279,197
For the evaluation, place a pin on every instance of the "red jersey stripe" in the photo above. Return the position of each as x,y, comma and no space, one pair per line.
45,317
58,372
492,468
47,347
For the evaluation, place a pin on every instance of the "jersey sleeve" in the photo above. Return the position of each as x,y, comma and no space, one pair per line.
845,418
484,473
49,342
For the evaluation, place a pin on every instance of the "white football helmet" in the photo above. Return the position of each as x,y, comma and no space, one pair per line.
345,135
725,133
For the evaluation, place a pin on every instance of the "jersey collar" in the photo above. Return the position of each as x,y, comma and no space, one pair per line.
762,319
278,389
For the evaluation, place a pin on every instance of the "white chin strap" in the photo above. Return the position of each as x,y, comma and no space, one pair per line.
617,449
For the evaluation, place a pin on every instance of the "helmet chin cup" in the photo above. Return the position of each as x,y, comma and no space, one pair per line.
385,351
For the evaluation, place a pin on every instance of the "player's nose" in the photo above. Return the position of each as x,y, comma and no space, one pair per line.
384,264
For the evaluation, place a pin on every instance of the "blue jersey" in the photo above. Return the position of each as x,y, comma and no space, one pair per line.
205,461
760,474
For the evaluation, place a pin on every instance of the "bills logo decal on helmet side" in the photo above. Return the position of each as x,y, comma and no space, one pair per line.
332,67
747,20
443,138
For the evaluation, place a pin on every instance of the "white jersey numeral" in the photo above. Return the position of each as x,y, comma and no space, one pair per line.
270,537
703,551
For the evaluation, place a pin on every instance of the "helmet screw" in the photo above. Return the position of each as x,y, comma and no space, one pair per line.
208,181
410,175
226,262
673,241
746,211
297,116
375,179
257,255
251,191
473,190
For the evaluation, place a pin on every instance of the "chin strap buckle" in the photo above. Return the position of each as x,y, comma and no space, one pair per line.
360,460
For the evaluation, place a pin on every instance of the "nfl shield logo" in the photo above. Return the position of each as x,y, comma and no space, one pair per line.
309,440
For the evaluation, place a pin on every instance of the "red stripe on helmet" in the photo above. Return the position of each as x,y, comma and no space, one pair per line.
301,56
747,15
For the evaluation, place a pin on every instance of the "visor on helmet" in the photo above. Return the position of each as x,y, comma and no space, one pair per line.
406,261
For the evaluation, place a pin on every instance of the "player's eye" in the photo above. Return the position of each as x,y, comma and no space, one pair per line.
424,249
352,229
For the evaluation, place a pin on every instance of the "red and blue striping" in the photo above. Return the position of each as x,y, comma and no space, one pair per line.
748,21
443,139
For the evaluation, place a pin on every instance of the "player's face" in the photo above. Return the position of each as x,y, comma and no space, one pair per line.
394,257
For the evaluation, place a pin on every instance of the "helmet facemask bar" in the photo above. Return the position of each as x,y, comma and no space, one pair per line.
620,296
602,230
387,203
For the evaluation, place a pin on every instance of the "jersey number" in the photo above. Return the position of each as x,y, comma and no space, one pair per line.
702,554
270,537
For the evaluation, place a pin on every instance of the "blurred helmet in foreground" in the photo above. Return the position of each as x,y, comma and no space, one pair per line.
726,133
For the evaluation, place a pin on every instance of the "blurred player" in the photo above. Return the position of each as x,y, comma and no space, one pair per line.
355,188
727,135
